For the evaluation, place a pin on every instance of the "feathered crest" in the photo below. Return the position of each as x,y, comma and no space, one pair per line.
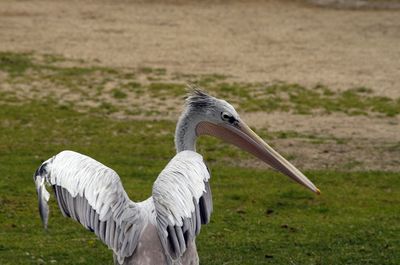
197,98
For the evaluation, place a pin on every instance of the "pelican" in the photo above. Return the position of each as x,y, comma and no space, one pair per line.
162,229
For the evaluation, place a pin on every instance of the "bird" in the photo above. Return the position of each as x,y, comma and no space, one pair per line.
161,229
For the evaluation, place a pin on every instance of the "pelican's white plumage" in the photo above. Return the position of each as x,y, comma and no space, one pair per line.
175,188
92,194
182,199
161,229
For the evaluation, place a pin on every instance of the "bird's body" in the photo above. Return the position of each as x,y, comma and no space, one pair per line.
92,194
163,228
150,251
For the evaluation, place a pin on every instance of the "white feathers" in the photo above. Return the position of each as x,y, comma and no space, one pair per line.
80,174
182,200
92,194
176,186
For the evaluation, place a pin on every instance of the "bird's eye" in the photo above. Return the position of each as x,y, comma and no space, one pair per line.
226,116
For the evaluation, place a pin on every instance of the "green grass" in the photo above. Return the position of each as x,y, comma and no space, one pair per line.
260,217
118,94
14,63
95,83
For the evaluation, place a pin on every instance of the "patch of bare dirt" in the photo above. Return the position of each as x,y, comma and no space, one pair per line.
359,155
337,125
250,40
334,141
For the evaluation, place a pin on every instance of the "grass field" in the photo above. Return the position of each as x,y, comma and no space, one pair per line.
260,217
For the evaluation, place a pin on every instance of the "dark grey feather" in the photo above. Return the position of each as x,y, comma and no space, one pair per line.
198,99
181,239
43,208
205,204
173,242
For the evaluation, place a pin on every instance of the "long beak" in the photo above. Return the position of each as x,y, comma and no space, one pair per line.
245,138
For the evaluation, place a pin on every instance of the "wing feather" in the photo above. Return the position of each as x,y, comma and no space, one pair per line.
92,194
183,202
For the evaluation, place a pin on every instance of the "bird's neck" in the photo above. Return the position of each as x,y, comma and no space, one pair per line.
185,134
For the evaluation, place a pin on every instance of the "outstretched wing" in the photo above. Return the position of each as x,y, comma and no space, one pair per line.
92,194
183,202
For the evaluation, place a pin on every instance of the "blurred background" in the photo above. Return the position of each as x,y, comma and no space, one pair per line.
318,79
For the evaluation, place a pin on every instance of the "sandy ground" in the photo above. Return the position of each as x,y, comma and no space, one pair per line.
349,142
248,40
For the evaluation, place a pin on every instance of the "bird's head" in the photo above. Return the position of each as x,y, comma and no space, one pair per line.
218,118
